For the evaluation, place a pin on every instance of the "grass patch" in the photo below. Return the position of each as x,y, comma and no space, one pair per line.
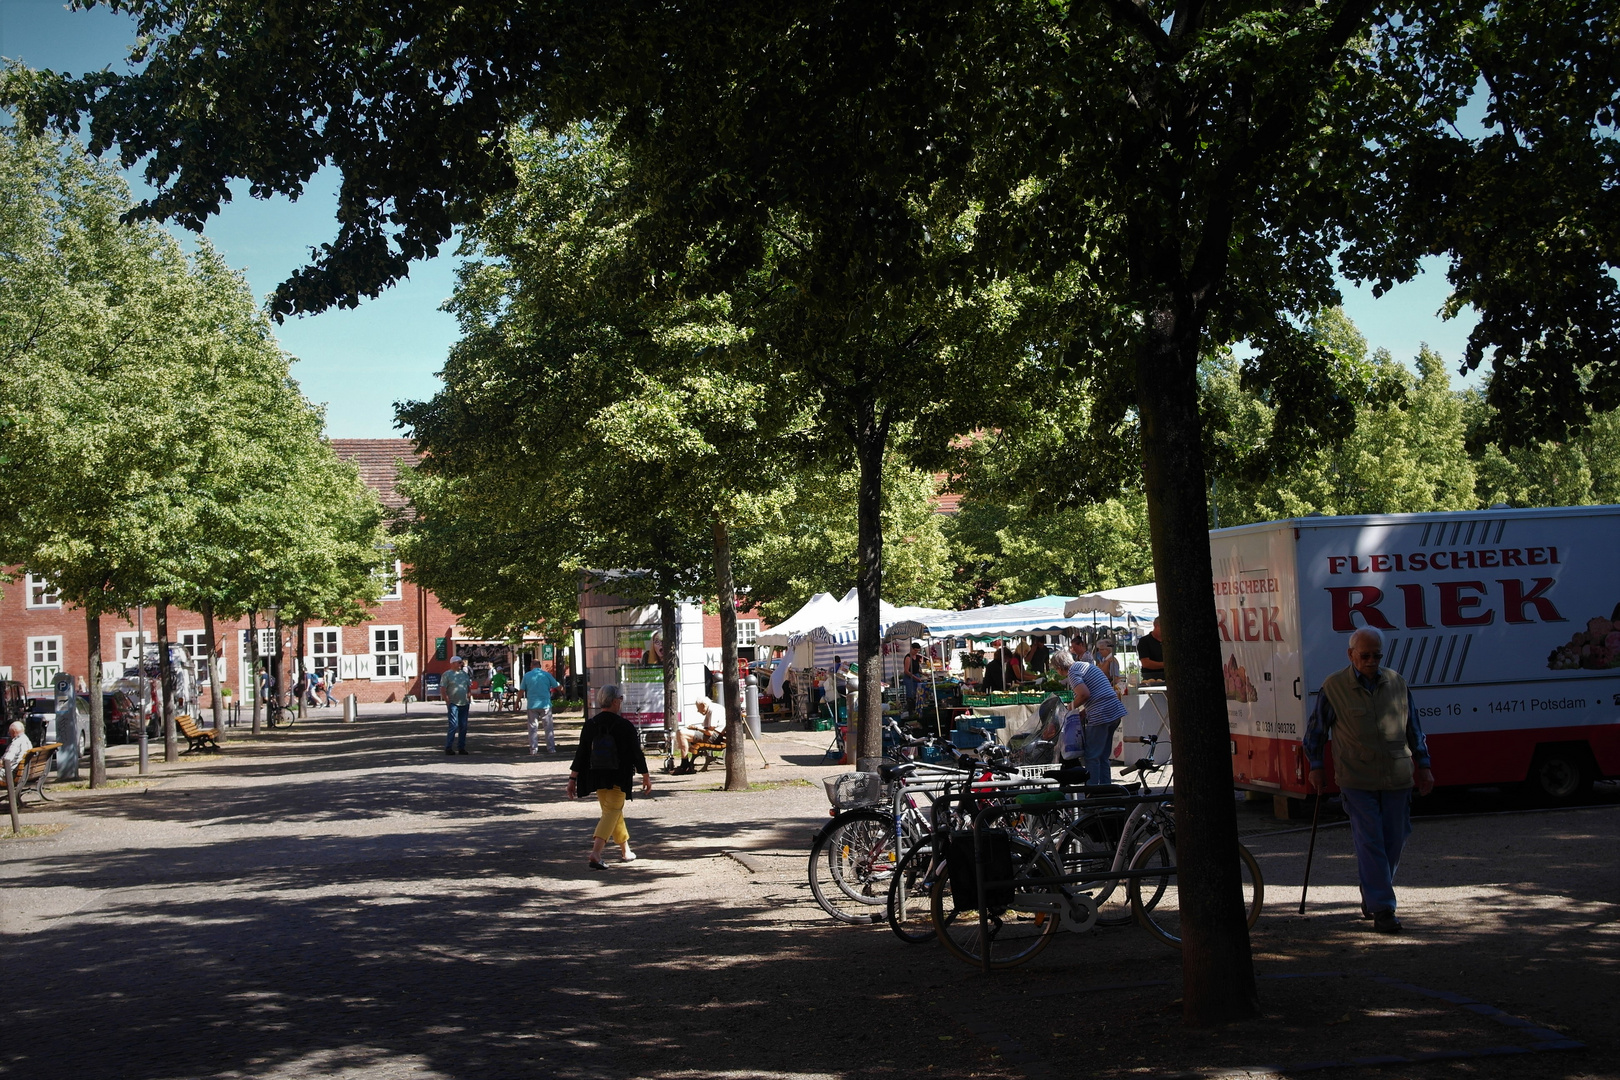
32,832
770,785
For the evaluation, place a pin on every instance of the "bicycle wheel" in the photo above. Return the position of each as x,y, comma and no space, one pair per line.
910,908
1088,847
1014,932
851,864
1156,901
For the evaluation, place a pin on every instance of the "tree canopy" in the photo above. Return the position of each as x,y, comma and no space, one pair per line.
1197,171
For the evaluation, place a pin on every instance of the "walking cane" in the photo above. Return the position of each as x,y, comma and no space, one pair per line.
1316,816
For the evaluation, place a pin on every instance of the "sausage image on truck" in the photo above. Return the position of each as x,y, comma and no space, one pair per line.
1504,623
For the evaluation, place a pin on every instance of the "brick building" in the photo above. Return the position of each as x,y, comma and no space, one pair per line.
409,636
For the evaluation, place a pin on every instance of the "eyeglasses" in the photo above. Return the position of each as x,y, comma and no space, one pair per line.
1370,655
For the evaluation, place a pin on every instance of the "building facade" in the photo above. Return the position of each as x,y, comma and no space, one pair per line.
408,638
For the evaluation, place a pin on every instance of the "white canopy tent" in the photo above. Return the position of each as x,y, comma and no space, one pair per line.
1140,602
1000,620
819,610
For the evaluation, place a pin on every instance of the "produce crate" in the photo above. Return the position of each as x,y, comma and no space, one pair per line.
966,740
982,723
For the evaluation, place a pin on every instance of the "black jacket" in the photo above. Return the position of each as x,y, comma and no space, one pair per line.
628,743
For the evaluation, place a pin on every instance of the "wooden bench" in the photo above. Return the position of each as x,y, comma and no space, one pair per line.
33,770
711,752
196,737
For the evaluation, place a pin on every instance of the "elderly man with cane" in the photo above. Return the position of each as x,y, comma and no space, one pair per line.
1379,755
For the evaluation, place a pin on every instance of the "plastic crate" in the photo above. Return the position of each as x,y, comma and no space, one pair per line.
849,790
967,740
981,723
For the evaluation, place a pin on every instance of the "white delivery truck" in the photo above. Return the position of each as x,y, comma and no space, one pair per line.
1505,624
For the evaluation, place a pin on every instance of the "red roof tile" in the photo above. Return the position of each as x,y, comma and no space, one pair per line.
377,460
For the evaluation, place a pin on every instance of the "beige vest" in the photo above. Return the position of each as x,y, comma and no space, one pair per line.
1369,731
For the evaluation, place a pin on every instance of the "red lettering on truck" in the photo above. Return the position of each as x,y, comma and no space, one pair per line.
1270,629
1453,601
1514,598
1416,617
1351,600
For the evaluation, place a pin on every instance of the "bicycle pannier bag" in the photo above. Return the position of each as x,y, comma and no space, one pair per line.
996,850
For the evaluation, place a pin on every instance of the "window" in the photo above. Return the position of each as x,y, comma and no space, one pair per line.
325,646
44,661
124,647
195,644
389,575
267,641
41,593
747,632
386,652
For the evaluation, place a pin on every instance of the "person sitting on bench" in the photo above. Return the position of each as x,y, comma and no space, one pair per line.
708,728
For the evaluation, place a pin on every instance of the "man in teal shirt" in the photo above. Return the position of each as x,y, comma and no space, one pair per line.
457,689
537,687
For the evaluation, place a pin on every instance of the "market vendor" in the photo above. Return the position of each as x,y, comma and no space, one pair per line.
912,669
1150,651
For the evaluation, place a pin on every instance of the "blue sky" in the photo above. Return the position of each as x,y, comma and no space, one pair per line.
360,362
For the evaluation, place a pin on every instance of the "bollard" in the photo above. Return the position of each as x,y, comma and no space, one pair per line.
351,708
751,696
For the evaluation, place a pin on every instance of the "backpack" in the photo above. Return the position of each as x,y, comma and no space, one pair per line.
605,753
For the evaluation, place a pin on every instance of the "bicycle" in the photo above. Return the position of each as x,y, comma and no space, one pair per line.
278,713
876,817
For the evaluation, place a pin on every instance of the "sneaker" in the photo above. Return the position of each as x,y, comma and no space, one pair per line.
463,750
1385,922
595,864
448,750
533,751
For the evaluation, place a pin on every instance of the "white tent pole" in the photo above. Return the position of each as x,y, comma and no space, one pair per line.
933,679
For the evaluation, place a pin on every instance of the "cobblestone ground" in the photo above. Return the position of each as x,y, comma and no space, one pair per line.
346,901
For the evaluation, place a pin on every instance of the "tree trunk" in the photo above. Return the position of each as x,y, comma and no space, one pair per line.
171,747
1217,969
871,441
216,684
669,620
730,686
252,681
98,727
303,672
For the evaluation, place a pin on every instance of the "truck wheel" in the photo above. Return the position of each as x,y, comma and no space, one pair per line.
1560,774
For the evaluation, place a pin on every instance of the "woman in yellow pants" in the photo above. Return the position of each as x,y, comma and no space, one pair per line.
608,757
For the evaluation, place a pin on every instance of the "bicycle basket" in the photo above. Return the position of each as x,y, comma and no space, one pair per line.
849,790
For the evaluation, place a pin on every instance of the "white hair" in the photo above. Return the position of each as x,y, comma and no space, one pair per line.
608,695
1365,633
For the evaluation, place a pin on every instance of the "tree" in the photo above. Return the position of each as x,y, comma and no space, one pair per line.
1202,166
809,545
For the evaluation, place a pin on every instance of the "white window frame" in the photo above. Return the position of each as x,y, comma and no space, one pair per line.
44,660
325,661
124,647
40,593
747,633
387,665
268,645
195,643
394,581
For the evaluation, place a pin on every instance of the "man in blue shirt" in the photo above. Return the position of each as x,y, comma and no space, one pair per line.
537,687
1379,755
1095,713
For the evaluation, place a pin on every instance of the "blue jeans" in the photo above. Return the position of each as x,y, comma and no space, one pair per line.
458,727
1380,822
911,686
1099,740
